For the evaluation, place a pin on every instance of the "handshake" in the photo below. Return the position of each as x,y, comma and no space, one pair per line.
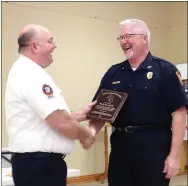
89,139
88,134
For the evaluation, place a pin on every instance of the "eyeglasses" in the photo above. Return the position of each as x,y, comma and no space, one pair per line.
127,36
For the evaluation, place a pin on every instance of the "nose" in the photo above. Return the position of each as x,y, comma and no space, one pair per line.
54,46
123,41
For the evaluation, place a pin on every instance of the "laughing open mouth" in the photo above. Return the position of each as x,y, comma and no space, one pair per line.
127,48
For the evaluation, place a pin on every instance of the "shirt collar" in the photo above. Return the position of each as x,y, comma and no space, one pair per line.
26,59
146,64
22,57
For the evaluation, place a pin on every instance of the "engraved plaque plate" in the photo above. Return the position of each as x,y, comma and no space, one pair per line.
109,103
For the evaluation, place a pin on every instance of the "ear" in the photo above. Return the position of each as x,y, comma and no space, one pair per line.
145,38
33,47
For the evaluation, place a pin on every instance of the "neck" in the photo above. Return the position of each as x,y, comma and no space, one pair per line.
136,61
31,57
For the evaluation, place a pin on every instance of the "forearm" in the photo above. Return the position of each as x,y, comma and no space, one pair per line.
78,116
67,125
74,130
178,131
96,125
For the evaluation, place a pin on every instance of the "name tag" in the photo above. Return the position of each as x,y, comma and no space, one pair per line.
115,82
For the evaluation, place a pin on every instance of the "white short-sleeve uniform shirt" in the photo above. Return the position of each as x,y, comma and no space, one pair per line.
31,95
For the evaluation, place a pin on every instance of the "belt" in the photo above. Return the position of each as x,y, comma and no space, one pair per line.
37,155
132,129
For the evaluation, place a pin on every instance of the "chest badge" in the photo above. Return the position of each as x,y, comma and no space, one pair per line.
115,82
149,75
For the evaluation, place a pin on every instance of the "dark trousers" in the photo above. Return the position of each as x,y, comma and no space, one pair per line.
32,169
137,159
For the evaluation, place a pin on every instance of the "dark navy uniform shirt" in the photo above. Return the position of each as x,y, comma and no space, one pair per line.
154,91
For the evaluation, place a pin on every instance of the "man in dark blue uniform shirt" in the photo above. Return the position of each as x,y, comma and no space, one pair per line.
149,130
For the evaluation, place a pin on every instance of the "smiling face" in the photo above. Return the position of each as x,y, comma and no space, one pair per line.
42,47
46,46
133,40
36,42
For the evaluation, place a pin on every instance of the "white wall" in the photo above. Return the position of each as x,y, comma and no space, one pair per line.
87,47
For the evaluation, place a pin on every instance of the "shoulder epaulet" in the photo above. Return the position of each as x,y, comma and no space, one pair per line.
164,61
113,69
118,64
160,59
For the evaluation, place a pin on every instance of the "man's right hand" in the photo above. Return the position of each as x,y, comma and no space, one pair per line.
88,142
94,127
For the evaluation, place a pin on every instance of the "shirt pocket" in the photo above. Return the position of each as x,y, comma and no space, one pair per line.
148,86
116,86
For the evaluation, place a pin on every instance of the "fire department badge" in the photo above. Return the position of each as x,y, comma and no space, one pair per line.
47,90
149,75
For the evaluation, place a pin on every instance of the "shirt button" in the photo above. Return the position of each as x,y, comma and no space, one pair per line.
130,85
145,87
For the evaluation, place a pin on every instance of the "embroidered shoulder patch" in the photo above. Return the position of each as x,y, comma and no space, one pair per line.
179,76
47,90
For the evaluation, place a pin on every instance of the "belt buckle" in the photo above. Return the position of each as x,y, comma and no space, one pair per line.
128,129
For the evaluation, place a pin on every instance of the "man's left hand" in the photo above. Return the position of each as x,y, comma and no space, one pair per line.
87,109
82,115
172,166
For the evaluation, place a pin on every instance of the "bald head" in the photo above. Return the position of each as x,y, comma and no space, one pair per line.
28,33
137,25
36,43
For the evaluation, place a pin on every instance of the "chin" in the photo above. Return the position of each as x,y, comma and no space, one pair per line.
50,61
128,55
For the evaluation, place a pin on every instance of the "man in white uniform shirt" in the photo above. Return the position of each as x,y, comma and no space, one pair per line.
40,126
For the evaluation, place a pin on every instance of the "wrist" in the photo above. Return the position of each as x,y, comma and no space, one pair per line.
93,131
174,154
80,116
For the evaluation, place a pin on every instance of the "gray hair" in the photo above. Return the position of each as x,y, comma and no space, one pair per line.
137,22
25,38
28,33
